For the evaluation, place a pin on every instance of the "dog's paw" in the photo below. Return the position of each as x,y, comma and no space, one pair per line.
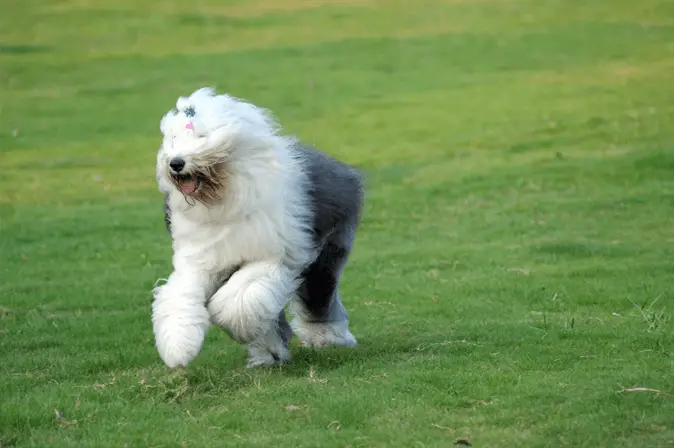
323,334
178,345
179,328
262,356
175,356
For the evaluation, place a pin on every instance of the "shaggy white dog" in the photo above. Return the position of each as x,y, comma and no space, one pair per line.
258,222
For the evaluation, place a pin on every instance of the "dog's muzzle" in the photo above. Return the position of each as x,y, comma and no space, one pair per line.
186,182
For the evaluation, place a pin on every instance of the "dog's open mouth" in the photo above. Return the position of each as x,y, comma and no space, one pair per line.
187,183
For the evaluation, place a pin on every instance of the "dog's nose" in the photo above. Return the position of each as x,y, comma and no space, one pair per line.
177,164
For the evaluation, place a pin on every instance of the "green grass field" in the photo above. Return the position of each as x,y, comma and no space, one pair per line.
512,279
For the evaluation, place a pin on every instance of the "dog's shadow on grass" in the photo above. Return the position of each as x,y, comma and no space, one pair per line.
365,355
327,359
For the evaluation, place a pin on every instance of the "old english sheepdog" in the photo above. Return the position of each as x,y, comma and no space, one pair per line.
258,221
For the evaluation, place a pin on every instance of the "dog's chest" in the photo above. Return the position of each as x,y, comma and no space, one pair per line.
219,246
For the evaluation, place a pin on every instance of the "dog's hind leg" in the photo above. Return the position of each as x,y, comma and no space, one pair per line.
320,317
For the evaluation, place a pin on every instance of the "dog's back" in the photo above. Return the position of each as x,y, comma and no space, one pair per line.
335,190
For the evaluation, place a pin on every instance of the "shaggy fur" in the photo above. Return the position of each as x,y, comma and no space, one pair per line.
258,222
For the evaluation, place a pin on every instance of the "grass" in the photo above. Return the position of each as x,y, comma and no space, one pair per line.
512,279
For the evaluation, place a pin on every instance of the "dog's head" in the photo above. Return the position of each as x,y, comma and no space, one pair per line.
204,139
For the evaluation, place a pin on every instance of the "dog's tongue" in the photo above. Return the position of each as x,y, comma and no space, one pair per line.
188,186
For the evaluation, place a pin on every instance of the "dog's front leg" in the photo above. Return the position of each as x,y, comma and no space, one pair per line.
249,306
179,316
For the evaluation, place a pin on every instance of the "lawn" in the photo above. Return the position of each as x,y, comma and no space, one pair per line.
512,279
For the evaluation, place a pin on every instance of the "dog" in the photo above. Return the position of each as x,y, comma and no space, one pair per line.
258,222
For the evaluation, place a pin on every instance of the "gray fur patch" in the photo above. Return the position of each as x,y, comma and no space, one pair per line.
335,190
167,214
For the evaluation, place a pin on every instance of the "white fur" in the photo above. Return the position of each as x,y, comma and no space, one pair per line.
261,222
251,299
179,318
